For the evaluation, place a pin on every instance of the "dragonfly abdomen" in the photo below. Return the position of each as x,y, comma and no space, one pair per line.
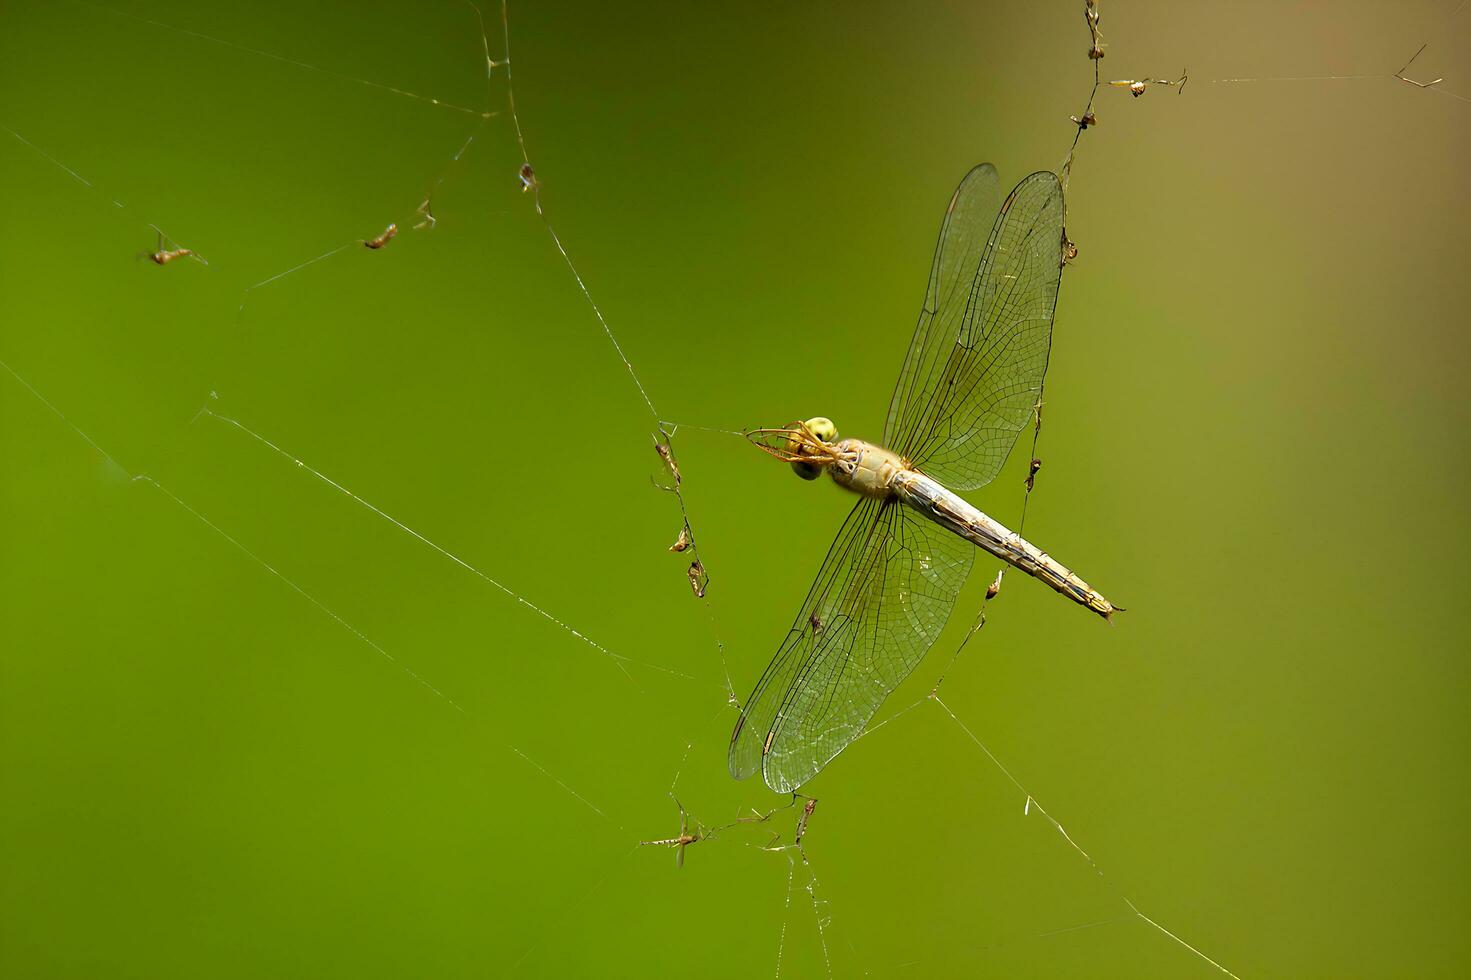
958,516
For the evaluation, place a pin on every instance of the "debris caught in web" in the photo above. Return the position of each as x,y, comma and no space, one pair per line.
680,842
162,255
666,453
1401,73
388,235
994,589
802,821
1095,50
1138,87
699,579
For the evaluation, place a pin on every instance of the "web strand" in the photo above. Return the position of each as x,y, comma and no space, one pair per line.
56,163
59,414
576,795
533,184
1082,122
535,187
509,593
233,541
781,942
1433,86
424,211
822,918
116,203
300,591
368,83
369,642
1031,804
245,295
303,593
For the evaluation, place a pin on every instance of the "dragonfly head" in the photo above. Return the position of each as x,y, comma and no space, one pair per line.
808,445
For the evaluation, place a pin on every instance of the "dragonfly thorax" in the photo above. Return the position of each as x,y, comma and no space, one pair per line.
865,468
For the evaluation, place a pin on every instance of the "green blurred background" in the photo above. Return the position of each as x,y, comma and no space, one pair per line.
1255,440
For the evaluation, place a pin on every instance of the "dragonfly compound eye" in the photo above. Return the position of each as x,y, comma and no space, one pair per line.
822,428
825,431
806,471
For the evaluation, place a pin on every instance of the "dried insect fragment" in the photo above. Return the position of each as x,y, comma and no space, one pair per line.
1419,84
428,220
1069,250
1137,87
163,256
1090,11
758,817
1089,119
993,589
809,804
528,178
699,579
1401,73
666,453
685,541
807,809
1032,472
383,239
685,838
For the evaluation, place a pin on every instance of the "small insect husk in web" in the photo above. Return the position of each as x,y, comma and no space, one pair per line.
383,239
699,579
666,453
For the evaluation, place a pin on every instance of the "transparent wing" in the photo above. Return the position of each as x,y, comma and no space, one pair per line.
984,348
748,742
963,236
882,597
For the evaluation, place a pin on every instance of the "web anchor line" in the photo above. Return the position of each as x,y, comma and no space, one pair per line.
163,235
698,575
620,660
260,53
423,216
1433,85
1032,804
299,590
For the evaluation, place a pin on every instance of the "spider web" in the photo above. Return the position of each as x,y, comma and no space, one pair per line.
272,446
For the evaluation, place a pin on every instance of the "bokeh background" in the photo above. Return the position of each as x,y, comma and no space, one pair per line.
215,757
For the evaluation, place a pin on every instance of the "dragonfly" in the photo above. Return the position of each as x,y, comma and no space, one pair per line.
970,383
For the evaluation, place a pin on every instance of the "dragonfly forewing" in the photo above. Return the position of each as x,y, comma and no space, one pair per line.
964,232
962,417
